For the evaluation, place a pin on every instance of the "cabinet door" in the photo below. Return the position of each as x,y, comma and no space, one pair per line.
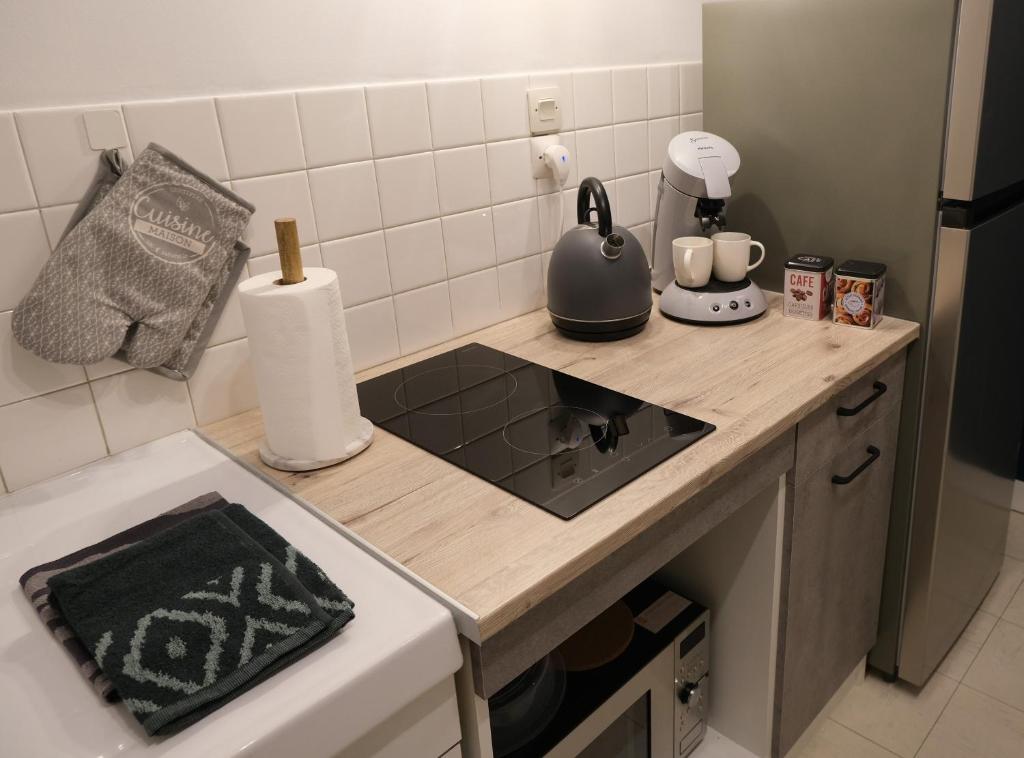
832,575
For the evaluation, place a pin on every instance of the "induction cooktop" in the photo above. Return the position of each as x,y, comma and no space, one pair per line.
559,442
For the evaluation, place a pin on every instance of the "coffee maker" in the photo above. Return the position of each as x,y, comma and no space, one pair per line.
692,191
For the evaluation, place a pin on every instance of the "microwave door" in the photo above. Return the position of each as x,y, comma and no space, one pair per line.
637,721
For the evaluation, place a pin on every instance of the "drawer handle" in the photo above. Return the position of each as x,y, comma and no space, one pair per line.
873,453
880,389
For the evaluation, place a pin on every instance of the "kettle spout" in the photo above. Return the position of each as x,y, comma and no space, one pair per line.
611,246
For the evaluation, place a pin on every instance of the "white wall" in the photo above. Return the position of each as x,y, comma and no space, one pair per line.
87,51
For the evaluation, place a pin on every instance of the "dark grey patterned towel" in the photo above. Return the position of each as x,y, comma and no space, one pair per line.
189,619
34,581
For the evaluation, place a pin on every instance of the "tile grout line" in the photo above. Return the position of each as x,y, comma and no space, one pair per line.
993,697
862,736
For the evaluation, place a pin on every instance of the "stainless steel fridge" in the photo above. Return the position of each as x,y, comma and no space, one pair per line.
894,131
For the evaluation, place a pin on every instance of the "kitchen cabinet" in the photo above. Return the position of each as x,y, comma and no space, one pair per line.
837,508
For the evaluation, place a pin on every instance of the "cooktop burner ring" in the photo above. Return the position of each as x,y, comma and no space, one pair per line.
584,445
497,373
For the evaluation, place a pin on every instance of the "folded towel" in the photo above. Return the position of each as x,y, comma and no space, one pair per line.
185,621
34,582
137,269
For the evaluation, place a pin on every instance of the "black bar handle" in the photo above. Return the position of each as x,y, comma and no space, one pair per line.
880,389
873,453
592,187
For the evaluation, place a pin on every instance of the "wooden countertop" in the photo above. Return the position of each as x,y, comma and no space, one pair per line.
497,555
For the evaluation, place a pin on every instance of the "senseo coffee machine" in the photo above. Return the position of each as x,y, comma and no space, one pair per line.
692,192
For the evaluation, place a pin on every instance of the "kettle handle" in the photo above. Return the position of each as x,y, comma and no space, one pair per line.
591,186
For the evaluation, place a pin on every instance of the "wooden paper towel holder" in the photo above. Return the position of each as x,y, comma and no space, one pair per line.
290,255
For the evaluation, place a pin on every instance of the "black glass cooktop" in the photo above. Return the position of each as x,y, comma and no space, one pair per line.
560,442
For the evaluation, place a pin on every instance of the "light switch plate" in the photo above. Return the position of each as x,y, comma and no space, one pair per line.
105,129
545,108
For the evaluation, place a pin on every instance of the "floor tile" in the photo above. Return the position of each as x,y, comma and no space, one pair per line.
965,649
1005,586
1015,537
999,668
833,740
895,716
975,725
1014,612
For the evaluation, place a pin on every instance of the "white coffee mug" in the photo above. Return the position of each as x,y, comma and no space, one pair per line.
732,256
692,259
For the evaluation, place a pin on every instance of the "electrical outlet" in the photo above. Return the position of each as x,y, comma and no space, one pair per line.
545,106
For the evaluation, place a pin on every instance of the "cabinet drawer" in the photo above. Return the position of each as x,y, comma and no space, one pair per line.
829,429
832,574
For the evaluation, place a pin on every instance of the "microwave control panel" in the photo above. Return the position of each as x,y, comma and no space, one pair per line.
692,684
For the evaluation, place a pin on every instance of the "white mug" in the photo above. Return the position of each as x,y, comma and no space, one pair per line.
732,256
692,259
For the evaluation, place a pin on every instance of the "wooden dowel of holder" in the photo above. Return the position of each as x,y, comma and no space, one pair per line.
288,250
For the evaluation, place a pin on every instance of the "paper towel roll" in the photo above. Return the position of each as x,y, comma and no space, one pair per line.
304,376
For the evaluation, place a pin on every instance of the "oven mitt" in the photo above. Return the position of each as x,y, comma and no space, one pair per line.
145,259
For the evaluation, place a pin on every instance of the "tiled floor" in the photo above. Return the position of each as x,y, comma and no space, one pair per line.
972,707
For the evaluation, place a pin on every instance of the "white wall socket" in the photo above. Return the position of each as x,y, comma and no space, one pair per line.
537,147
545,105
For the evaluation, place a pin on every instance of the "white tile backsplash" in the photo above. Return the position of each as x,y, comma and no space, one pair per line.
415,255
56,221
456,112
277,196
663,90
629,94
223,384
476,302
424,317
408,189
23,375
261,134
60,161
659,133
16,192
345,199
372,333
362,266
468,242
462,181
516,230
521,286
23,251
188,128
631,148
423,189
398,118
139,406
596,151
505,113
510,166
310,255
48,435
334,126
592,96
691,87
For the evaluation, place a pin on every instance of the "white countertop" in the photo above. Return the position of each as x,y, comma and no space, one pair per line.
400,644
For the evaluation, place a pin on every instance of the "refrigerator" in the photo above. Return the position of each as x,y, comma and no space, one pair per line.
894,132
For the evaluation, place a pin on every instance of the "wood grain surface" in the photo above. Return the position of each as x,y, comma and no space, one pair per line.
498,555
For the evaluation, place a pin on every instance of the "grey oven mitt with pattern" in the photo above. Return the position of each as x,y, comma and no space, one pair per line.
137,269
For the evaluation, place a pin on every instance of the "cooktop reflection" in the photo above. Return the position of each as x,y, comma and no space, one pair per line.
560,442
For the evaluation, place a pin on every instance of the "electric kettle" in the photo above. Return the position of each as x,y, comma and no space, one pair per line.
599,281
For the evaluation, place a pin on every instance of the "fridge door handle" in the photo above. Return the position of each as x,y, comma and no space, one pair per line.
880,388
873,453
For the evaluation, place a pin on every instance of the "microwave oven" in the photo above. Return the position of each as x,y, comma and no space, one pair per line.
648,699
